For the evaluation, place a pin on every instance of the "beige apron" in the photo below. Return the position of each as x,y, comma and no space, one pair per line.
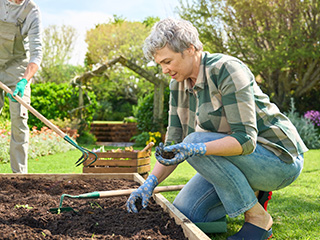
13,63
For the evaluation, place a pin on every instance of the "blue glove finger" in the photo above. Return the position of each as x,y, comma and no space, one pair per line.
144,192
131,202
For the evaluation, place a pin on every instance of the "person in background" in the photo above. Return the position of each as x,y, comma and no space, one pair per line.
20,57
225,127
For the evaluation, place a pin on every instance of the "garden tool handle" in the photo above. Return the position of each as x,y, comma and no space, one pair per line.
126,192
33,111
150,145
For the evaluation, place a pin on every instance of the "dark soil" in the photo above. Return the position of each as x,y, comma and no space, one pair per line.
25,204
168,155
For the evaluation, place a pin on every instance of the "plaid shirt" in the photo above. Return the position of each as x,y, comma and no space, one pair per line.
226,99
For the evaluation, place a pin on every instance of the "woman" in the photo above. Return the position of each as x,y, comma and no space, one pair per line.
225,127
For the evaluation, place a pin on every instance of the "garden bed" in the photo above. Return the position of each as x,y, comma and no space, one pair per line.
26,200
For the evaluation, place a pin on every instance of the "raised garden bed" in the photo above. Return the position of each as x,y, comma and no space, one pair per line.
26,198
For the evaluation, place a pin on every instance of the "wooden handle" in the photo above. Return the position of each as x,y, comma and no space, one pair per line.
34,112
150,145
126,192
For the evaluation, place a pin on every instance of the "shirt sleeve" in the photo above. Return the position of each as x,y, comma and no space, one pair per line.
32,29
235,83
174,129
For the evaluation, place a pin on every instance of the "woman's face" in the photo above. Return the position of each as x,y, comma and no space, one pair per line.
178,66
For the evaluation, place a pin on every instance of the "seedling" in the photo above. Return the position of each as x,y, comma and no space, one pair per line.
23,206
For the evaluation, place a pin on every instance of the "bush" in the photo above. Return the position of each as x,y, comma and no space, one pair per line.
143,112
86,138
145,138
305,127
59,101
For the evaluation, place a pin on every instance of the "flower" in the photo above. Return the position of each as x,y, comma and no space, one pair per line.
313,116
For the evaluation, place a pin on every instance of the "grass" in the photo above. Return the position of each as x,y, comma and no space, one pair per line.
295,209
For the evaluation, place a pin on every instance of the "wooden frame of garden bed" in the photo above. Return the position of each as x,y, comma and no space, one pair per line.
191,231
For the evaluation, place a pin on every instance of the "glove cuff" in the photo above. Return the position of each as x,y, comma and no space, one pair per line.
201,149
24,80
151,181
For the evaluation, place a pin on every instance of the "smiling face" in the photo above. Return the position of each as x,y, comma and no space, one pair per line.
179,66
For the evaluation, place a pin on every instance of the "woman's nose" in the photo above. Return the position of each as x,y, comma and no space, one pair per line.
165,70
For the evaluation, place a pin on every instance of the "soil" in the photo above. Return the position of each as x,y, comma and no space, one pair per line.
168,155
25,204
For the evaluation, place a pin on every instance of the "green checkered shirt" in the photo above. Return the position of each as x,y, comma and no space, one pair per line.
227,99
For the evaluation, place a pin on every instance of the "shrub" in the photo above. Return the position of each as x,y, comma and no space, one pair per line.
145,138
143,112
305,127
60,101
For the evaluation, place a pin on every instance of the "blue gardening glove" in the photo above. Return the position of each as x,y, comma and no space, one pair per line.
21,86
144,192
180,152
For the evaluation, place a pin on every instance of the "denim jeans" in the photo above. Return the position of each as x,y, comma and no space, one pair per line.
226,185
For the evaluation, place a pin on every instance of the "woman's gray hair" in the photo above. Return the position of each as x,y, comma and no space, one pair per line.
177,34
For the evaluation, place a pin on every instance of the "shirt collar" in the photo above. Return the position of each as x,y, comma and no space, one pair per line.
201,78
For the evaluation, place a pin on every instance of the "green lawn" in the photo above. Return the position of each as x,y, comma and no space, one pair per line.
295,209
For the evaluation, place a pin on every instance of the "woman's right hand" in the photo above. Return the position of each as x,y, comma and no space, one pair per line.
144,192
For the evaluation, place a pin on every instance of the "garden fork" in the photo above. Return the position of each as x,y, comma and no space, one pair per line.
85,152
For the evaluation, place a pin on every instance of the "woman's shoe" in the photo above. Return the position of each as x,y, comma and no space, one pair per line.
251,232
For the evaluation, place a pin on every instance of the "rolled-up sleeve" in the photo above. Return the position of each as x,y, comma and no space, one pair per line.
236,88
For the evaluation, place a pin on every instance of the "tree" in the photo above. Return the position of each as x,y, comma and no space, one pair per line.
58,43
119,87
279,40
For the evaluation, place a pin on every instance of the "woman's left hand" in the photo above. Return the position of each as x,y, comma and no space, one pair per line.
181,152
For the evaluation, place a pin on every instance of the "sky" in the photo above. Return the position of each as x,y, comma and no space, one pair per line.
85,14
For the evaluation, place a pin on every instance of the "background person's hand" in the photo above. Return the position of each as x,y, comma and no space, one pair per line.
21,86
144,192
181,152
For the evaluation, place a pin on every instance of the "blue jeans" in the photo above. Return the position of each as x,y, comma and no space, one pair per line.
226,185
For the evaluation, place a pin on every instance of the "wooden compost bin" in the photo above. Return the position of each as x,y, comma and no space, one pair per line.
119,162
191,231
107,132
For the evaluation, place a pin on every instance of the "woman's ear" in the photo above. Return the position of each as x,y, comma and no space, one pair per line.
191,50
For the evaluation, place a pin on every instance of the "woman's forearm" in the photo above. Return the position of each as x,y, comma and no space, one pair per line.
161,171
227,146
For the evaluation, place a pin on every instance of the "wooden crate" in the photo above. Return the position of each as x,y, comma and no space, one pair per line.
119,162
191,231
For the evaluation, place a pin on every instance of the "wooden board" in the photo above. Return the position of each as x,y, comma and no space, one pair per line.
191,231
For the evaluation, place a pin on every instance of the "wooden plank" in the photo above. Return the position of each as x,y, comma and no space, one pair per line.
141,169
144,169
110,170
189,228
76,176
118,163
123,154
144,161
